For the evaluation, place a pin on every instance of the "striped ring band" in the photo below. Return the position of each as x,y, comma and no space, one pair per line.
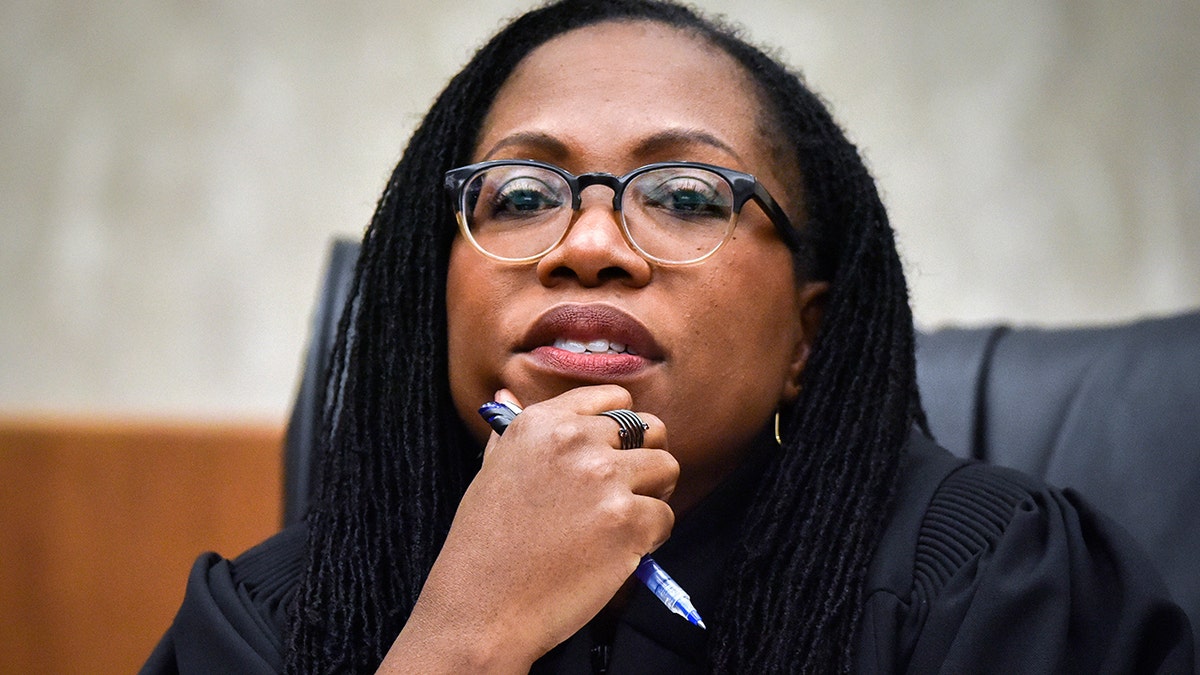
632,429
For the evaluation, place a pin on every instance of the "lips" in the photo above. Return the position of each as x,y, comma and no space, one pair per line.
592,339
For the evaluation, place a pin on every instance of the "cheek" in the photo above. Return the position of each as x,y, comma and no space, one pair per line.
749,321
731,382
747,344
750,309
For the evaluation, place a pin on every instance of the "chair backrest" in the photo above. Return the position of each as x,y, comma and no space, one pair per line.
1112,412
300,444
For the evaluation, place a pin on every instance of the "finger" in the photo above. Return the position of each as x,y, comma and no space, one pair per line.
656,521
647,430
593,399
570,415
575,408
656,435
506,396
652,472
501,396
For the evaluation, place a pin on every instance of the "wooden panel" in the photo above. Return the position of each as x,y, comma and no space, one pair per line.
100,523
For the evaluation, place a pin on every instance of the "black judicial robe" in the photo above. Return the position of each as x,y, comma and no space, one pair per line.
980,569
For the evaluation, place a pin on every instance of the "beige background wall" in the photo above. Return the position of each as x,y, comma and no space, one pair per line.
172,171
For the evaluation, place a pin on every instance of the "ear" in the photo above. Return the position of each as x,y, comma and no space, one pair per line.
810,302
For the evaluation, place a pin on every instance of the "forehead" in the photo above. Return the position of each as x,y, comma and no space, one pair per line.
601,90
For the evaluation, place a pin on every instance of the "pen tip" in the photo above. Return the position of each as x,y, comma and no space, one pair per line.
701,624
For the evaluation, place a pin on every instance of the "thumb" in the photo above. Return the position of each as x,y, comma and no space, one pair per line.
506,396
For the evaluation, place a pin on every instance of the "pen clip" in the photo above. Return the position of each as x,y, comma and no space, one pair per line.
498,415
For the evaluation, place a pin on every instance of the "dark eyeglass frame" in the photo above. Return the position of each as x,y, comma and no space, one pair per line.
743,186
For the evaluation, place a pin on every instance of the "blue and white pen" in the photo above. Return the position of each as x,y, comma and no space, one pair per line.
498,415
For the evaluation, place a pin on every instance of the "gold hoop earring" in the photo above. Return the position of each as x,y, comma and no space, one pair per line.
777,438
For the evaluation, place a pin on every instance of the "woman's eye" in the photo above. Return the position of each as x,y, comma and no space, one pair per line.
688,197
524,197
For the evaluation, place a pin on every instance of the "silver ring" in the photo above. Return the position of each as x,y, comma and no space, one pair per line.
632,429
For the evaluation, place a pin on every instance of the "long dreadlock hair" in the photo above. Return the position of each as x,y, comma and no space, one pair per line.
396,458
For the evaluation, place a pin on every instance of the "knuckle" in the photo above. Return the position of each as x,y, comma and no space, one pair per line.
595,467
667,464
562,432
617,513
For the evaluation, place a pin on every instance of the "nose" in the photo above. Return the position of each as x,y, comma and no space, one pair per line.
594,251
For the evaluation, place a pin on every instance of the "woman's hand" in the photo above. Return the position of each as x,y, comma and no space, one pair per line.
555,521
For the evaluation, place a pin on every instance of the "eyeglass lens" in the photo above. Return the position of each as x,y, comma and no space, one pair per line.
674,214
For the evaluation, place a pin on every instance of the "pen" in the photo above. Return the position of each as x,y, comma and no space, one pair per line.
498,415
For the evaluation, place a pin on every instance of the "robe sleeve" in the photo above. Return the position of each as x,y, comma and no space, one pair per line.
233,612
1011,576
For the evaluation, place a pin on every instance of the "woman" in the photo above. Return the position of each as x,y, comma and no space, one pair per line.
744,280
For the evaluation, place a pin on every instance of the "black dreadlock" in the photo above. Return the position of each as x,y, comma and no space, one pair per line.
397,459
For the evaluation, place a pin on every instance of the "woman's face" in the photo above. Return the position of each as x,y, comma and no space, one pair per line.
719,344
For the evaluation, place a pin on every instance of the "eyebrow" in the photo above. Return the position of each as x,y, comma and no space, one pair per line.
671,138
555,148
654,144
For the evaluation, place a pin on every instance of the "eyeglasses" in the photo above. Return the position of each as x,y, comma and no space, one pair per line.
672,213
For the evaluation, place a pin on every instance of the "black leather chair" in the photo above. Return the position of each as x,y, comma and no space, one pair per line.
1111,412
300,443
